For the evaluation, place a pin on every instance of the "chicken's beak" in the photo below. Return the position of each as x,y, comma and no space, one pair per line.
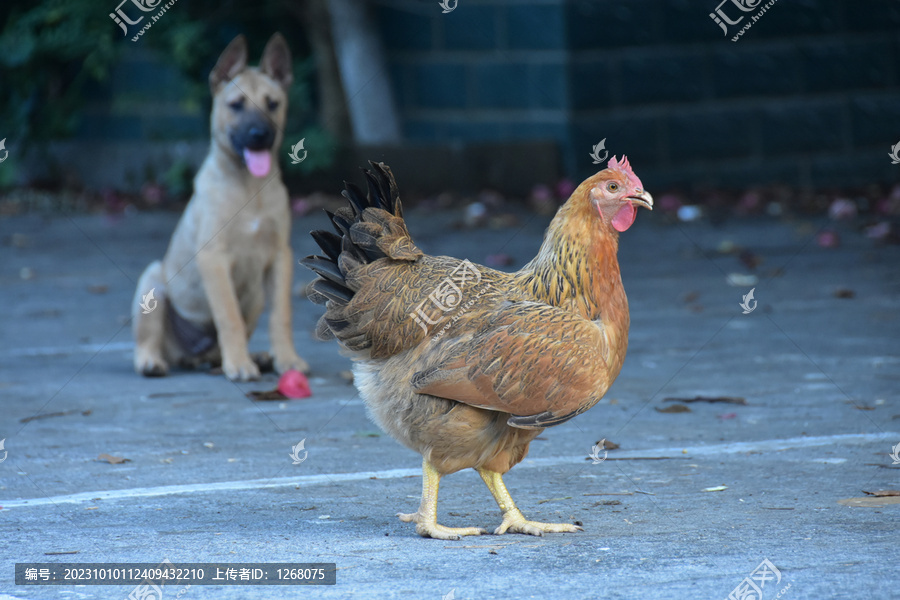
642,198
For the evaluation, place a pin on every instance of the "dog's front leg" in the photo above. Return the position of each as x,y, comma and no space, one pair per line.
219,287
278,281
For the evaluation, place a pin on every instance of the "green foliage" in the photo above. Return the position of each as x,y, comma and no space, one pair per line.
49,52
53,51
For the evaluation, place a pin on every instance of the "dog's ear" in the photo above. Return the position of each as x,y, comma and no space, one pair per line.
276,61
232,61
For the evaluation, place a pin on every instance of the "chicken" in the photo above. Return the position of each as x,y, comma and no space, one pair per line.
467,365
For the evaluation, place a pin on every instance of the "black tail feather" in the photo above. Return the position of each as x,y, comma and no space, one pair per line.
332,291
325,268
328,242
357,198
354,243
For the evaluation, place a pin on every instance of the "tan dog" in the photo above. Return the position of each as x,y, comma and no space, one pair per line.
230,249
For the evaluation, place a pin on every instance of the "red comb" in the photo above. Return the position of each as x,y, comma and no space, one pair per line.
624,168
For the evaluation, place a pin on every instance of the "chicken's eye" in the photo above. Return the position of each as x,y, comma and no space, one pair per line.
612,186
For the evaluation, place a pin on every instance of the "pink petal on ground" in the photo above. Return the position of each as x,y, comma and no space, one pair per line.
294,384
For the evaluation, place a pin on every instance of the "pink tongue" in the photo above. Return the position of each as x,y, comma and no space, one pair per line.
625,217
259,162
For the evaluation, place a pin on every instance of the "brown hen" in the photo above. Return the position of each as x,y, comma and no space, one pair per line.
464,364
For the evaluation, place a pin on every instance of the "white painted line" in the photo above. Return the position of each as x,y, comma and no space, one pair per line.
306,480
78,349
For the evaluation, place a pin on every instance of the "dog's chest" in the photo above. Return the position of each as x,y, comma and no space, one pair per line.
259,229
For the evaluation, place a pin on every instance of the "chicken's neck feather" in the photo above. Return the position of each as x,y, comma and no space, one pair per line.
577,269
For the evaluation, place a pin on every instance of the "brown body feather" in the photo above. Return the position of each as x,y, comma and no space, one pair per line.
520,351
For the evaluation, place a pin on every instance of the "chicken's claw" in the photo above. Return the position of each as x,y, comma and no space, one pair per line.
426,517
430,528
514,522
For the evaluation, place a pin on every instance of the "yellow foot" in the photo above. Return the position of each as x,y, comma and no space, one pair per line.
516,523
429,528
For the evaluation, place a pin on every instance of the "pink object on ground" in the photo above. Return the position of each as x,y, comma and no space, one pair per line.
294,384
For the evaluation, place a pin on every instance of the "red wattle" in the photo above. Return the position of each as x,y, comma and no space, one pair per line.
624,217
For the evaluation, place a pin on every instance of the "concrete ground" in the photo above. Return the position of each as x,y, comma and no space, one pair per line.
209,476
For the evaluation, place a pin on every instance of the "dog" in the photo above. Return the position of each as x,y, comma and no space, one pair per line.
230,250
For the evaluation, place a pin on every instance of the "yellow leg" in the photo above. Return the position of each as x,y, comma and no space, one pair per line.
513,520
426,517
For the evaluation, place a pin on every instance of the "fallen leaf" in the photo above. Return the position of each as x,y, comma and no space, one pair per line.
605,444
883,493
870,501
54,414
718,488
844,293
690,297
727,416
113,460
291,384
60,553
674,408
710,399
98,289
863,407
267,395
749,259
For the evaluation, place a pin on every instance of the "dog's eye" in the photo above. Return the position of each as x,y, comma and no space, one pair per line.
237,105
272,104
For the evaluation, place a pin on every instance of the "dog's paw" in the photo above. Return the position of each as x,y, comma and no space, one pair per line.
151,366
264,361
244,370
292,362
